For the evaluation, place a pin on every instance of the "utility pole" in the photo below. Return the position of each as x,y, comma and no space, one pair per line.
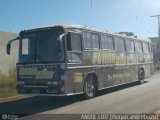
158,16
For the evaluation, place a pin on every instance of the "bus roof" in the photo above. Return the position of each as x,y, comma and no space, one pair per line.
92,29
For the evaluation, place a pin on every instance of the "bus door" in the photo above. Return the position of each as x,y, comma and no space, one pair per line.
75,54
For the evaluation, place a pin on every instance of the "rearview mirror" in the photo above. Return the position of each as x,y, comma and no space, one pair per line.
8,48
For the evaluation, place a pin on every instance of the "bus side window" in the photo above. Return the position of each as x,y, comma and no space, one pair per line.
74,42
132,46
104,42
150,48
138,47
129,45
145,47
107,42
87,40
110,42
95,41
119,44
141,47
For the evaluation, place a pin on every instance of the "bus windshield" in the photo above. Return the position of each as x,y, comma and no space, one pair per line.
41,47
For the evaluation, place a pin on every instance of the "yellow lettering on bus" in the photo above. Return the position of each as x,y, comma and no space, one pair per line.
78,77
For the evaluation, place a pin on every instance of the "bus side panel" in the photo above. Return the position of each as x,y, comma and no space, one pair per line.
69,82
75,79
106,77
133,71
118,75
148,69
125,74
79,78
152,68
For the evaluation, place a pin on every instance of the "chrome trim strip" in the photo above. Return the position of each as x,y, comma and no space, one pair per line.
112,65
34,86
32,94
35,64
87,66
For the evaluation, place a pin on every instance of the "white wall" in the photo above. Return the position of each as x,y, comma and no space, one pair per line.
7,61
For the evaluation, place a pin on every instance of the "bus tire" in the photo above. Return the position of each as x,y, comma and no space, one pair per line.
89,87
141,76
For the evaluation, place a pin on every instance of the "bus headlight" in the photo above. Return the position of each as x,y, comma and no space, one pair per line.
63,66
62,77
62,89
49,83
20,82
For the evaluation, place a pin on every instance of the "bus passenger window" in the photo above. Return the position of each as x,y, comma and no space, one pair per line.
132,46
119,44
87,40
151,47
110,43
107,42
139,47
145,48
95,41
129,45
74,42
104,42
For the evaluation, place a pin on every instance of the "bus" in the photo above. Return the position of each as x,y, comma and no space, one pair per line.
62,60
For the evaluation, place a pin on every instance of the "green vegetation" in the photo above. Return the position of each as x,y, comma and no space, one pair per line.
8,83
7,66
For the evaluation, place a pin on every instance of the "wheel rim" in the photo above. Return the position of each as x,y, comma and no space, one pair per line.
90,88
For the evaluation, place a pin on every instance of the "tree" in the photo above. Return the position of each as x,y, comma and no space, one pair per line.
127,33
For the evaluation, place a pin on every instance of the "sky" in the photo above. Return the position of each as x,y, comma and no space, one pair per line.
111,15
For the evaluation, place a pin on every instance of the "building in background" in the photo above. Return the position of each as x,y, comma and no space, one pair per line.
156,50
7,62
156,45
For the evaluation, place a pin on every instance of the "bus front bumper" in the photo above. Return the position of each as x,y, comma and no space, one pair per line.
41,90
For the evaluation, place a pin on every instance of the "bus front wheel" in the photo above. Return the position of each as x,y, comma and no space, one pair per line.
89,87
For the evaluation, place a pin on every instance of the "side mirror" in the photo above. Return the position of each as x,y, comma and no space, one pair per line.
8,48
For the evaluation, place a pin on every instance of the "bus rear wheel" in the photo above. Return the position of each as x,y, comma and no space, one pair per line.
89,87
141,76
